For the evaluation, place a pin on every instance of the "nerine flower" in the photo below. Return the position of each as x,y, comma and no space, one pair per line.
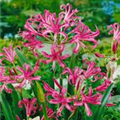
90,98
30,105
50,113
74,75
33,43
8,54
59,97
116,35
5,80
30,29
54,26
56,55
27,74
68,14
83,33
93,71
103,86
48,24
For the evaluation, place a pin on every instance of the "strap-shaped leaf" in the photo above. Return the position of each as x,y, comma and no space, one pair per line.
6,108
40,92
15,98
97,114
21,57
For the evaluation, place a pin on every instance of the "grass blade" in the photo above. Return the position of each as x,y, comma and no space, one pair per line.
6,108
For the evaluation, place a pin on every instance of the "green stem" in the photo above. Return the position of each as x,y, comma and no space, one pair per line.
76,114
70,88
72,64
27,117
45,111
40,97
61,80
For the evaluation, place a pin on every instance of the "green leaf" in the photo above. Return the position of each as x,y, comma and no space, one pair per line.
6,108
26,93
16,98
40,92
40,97
21,57
97,114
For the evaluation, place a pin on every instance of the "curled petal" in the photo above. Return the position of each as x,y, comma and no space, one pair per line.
60,110
99,55
88,111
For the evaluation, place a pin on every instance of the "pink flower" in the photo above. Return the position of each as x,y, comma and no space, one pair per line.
54,26
74,75
33,43
116,35
59,97
5,80
30,105
27,74
9,54
30,29
46,25
93,71
99,55
50,113
69,14
55,55
104,86
83,33
90,98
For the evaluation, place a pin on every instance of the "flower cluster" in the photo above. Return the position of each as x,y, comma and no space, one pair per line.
81,96
13,76
67,28
58,31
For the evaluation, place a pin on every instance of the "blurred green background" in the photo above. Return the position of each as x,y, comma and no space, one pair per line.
93,12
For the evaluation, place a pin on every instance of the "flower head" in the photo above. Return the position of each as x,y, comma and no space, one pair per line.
33,43
55,55
8,53
50,113
116,35
5,80
94,71
30,105
68,14
74,75
90,98
27,74
59,97
83,33
104,86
